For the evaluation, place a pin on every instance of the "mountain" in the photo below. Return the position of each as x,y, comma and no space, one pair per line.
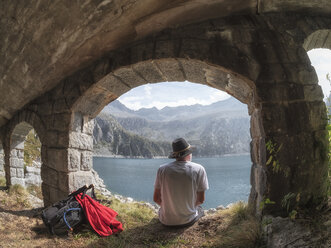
110,138
216,129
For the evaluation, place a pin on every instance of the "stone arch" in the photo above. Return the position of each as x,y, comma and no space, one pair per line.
287,105
17,130
125,78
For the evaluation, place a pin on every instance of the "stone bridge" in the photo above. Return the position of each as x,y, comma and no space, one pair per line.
63,61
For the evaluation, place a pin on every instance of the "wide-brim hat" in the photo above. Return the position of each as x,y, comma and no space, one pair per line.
180,148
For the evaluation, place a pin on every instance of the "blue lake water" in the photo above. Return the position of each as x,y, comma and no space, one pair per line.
229,177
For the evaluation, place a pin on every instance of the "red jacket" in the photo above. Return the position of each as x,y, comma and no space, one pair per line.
101,218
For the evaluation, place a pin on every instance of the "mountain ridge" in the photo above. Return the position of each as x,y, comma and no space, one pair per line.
216,129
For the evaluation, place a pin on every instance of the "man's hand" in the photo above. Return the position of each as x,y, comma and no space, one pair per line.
157,196
200,198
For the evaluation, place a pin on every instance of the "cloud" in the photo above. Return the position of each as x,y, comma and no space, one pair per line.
174,94
321,60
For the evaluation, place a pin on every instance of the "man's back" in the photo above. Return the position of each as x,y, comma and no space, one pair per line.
179,183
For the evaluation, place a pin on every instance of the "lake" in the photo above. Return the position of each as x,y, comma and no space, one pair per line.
229,177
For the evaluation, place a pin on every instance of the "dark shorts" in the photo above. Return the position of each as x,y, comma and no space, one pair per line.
200,214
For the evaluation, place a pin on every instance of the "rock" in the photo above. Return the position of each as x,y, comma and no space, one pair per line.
284,232
211,211
220,207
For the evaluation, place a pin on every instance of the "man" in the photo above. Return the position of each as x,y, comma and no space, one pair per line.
180,187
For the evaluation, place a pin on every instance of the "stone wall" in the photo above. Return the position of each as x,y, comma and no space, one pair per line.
32,174
258,59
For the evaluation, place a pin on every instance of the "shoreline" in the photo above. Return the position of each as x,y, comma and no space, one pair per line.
161,157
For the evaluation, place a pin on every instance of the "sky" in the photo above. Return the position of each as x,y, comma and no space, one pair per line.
174,94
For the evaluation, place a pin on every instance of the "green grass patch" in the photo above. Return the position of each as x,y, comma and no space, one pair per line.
2,182
35,190
242,229
19,193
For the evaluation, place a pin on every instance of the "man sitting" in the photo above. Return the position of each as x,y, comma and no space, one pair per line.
180,187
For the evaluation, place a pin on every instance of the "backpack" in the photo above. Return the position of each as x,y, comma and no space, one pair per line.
66,214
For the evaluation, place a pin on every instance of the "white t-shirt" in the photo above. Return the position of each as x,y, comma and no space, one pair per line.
179,183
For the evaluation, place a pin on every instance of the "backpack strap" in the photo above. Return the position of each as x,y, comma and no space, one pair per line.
64,216
92,192
78,191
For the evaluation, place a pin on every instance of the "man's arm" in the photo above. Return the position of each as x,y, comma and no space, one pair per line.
200,198
157,196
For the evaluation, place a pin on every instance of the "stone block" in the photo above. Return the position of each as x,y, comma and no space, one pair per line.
74,158
86,161
20,172
171,70
271,73
63,181
313,93
297,119
149,72
274,118
61,122
258,179
16,162
256,127
79,179
57,195
81,141
317,115
77,123
15,180
88,125
112,84
57,159
32,179
32,170
193,70
20,154
273,92
129,77
13,172
50,176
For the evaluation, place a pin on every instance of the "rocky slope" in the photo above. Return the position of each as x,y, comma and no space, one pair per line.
111,139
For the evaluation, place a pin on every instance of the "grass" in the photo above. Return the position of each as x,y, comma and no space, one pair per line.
35,190
21,226
2,182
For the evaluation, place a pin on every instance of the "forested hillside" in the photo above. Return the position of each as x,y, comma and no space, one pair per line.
217,129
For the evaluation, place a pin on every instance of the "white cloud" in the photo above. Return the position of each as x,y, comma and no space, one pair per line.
148,90
174,94
321,60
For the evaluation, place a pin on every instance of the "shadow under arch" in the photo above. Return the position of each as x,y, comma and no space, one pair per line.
125,78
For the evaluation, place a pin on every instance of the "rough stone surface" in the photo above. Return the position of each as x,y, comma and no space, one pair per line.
57,73
32,175
284,232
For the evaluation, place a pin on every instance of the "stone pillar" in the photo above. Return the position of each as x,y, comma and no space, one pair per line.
80,152
67,158
17,165
258,154
294,119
